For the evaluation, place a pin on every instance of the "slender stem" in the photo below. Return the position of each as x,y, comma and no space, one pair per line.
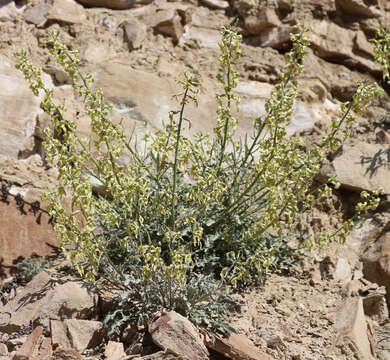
178,134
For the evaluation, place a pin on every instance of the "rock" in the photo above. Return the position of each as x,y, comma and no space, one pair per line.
356,7
216,4
43,299
114,350
3,350
60,75
167,22
353,333
237,347
177,335
84,334
375,255
19,107
114,4
67,11
135,33
45,349
8,10
30,348
363,45
361,167
374,304
275,37
263,19
204,37
37,14
59,336
382,137
65,354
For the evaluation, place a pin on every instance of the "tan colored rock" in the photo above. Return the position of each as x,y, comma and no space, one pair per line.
29,349
135,33
352,329
263,19
45,349
3,349
44,299
37,14
65,354
168,22
114,4
59,336
357,7
362,44
84,334
19,108
114,350
177,335
275,37
237,347
204,37
216,4
8,11
362,167
67,11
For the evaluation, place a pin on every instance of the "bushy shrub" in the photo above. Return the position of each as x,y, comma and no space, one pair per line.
186,216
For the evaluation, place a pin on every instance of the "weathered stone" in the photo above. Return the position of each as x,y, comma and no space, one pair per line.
177,335
168,22
216,4
8,11
67,11
356,7
206,38
65,354
382,137
275,37
135,33
343,271
114,4
352,329
84,334
45,349
59,336
363,45
30,348
265,18
37,14
237,347
43,299
362,167
19,108
374,304
3,349
114,350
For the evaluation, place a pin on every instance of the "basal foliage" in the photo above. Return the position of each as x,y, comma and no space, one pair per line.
186,216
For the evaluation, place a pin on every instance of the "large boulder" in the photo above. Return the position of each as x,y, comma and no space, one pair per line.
43,299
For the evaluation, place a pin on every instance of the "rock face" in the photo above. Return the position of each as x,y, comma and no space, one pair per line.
353,330
19,107
44,299
176,335
362,167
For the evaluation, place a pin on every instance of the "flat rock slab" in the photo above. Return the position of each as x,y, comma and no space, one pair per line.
177,335
237,347
114,4
362,167
43,299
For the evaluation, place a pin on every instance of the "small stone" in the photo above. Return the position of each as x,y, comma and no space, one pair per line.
84,334
37,14
67,11
115,4
216,4
177,335
3,350
114,350
168,22
30,348
135,33
66,354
